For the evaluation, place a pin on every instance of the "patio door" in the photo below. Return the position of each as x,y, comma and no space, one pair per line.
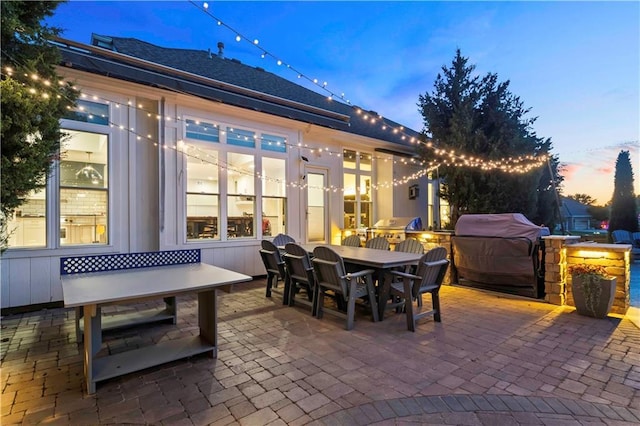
317,206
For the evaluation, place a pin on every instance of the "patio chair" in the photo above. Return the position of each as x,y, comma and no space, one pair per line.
378,243
331,276
300,275
281,240
621,236
410,245
352,241
408,287
275,267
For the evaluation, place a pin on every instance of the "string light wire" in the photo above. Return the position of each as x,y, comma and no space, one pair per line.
455,159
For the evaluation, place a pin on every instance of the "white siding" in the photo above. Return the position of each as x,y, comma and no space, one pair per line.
147,198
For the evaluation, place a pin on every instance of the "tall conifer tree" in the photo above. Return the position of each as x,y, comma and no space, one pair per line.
481,117
624,212
33,101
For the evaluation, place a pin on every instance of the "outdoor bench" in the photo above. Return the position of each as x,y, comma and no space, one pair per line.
74,265
92,282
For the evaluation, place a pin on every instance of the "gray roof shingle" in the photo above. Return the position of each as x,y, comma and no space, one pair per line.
230,71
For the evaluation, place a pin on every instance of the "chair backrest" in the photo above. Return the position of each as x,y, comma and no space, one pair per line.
432,268
621,236
298,262
436,253
271,258
410,245
281,240
352,241
636,239
379,243
329,268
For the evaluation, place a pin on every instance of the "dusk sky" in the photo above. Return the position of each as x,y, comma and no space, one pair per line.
576,65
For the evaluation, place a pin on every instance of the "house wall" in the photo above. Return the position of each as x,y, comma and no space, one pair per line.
147,193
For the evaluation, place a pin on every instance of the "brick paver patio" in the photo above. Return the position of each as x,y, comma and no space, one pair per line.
494,360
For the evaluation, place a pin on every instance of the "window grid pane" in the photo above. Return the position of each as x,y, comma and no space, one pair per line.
27,227
241,137
84,189
273,143
202,216
202,131
89,112
274,216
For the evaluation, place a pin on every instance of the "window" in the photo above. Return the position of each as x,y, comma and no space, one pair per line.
225,173
241,200
241,137
84,189
203,195
274,192
202,131
273,143
89,112
28,225
81,198
358,204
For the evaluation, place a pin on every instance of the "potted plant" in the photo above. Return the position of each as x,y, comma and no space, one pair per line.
593,289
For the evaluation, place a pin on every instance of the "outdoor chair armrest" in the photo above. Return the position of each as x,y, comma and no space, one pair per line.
405,275
359,274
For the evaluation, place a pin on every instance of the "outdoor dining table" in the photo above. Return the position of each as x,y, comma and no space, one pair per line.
379,260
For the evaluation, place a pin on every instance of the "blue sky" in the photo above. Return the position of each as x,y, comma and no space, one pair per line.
575,64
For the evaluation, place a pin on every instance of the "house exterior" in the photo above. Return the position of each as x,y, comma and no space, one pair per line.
576,216
175,148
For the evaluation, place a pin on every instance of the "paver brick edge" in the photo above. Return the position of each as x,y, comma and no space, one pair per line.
483,403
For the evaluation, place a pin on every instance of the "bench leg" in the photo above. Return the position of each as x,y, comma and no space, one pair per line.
172,308
92,342
208,319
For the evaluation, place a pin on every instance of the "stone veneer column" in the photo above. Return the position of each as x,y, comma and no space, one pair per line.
555,270
616,260
561,251
431,239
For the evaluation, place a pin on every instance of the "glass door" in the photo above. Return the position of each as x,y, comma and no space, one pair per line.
316,209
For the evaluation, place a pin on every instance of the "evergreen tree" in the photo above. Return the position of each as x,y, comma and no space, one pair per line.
33,101
624,212
481,117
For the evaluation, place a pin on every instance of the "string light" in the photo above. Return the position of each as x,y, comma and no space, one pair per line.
537,161
522,164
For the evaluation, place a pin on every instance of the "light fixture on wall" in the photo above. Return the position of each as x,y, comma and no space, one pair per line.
88,172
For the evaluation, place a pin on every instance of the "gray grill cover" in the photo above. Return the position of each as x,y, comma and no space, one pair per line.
497,249
497,225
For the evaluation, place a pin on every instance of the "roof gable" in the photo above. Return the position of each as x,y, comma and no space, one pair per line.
263,89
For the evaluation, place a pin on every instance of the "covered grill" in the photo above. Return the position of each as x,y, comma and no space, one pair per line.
394,229
500,252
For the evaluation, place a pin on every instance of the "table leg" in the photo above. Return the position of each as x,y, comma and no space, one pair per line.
383,293
208,318
92,342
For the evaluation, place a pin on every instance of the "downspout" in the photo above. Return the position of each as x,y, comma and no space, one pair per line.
161,147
